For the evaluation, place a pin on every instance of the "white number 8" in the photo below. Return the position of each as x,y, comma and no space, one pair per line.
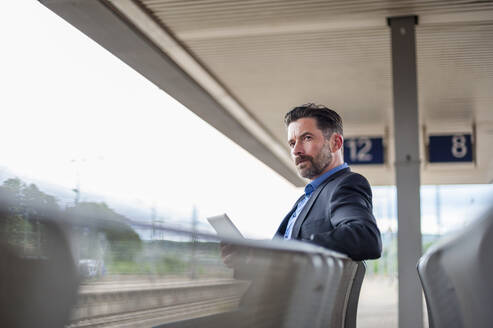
459,148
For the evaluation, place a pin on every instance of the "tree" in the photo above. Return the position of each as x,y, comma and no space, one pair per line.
20,224
22,198
36,199
124,242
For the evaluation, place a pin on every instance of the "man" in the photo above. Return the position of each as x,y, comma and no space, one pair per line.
335,211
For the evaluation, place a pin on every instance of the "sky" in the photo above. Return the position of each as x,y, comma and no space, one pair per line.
71,108
72,113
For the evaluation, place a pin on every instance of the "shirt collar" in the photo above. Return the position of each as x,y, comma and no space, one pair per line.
309,188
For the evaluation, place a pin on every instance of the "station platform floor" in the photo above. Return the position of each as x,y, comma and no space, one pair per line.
378,304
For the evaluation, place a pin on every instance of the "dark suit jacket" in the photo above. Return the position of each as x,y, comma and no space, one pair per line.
339,216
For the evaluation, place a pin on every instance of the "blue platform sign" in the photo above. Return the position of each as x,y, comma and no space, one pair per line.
363,150
450,148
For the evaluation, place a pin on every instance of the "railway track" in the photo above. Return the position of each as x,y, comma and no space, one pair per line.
144,304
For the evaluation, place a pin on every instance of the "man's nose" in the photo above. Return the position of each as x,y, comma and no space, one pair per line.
297,149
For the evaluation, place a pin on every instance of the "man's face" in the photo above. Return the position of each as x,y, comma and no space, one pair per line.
310,149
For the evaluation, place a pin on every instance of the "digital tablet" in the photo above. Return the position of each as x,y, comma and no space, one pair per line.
224,226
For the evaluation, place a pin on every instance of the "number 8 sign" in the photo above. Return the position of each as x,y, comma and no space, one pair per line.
450,148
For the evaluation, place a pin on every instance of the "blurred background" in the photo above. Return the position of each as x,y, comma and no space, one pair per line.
84,133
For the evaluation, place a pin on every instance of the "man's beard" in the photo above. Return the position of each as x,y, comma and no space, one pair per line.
318,163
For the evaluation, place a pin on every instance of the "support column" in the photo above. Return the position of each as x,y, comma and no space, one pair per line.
407,166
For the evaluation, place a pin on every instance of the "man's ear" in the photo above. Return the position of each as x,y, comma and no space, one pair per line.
336,142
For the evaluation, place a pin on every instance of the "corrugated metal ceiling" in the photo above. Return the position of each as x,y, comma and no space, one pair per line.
455,71
288,55
273,55
206,14
240,65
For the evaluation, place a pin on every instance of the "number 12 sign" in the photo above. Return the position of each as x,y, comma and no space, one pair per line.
363,150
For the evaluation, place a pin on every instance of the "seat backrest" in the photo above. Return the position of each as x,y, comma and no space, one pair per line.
308,302
353,299
456,275
340,301
323,293
38,292
293,290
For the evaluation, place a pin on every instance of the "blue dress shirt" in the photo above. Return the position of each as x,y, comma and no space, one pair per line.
309,189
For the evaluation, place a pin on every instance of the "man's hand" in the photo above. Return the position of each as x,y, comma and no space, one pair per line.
234,255
229,254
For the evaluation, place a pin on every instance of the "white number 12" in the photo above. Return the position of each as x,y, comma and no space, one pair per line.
363,155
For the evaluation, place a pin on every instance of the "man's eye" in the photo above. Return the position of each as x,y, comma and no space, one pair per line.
291,144
308,137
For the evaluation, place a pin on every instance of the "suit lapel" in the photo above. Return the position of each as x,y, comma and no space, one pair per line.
302,217
282,228
306,210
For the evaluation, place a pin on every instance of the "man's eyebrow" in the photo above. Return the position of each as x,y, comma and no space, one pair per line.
305,134
301,136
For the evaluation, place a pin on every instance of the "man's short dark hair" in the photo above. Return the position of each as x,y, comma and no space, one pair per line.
327,120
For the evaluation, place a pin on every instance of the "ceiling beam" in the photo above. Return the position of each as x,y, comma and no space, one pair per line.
153,52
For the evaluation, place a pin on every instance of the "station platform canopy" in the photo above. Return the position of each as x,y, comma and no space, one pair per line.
241,65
